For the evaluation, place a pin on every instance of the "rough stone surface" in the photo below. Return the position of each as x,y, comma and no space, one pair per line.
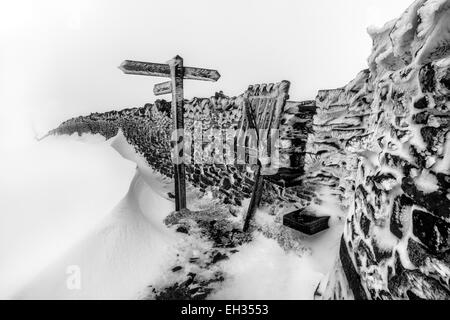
397,228
211,127
380,144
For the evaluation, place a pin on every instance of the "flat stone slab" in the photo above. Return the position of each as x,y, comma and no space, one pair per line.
305,222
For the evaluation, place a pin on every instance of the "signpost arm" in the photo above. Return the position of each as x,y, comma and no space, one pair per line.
175,70
176,75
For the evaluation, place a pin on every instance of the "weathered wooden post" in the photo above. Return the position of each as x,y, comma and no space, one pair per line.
176,75
174,70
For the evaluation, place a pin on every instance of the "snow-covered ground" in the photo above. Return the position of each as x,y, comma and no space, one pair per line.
263,270
118,255
52,194
125,253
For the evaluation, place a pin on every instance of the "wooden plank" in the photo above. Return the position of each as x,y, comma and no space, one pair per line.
176,73
145,68
201,74
162,88
163,70
256,198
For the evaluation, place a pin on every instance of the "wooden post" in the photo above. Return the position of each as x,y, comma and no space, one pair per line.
176,75
255,199
174,70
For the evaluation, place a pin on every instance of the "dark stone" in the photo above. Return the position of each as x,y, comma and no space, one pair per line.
194,290
221,235
421,118
421,103
191,289
182,229
431,231
177,268
393,160
446,79
436,202
401,133
191,276
364,250
361,192
397,279
384,295
421,286
426,78
419,159
398,267
396,95
390,272
218,256
401,203
365,224
301,221
226,183
353,277
417,253
412,296
353,232
429,135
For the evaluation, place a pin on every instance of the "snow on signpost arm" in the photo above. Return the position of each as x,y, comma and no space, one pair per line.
174,70
163,70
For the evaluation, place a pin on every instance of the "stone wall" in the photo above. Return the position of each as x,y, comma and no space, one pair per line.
211,123
339,127
396,239
380,144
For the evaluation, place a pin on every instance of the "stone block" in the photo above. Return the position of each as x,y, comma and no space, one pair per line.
432,231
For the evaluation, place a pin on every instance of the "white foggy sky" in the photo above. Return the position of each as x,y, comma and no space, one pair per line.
59,58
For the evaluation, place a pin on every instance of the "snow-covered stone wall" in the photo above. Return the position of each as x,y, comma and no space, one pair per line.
210,147
387,133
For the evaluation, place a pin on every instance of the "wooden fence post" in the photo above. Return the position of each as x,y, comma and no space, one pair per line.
176,75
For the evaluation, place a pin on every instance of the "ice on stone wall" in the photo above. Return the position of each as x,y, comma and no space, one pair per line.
397,234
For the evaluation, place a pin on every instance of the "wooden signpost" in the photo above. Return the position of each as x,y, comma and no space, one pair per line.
162,88
174,70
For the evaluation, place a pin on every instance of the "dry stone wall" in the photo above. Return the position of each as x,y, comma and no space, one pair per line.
380,145
339,129
210,128
396,242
